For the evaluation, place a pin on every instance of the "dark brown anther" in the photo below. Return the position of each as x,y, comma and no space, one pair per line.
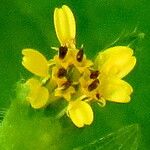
61,72
93,85
79,56
98,96
66,85
94,74
62,52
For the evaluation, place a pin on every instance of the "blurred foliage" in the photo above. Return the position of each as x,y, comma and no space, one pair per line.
99,24
126,138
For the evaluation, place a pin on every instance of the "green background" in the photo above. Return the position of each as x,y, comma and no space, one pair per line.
25,23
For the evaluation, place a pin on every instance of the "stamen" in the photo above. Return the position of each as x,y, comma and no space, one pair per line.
94,74
66,85
93,85
98,96
45,82
61,72
79,56
62,52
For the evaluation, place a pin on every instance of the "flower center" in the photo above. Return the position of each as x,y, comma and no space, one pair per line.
66,85
61,72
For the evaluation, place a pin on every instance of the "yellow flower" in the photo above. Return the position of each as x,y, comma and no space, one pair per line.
73,77
80,113
113,64
65,26
38,95
35,62
106,82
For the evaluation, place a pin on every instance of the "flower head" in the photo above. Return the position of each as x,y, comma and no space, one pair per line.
70,76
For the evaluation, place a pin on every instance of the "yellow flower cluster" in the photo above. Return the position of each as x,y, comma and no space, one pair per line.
74,78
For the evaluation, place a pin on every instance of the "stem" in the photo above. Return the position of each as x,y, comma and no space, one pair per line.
61,113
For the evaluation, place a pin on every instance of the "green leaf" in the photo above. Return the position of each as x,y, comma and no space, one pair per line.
126,138
2,114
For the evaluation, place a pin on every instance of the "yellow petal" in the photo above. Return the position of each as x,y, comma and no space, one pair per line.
35,62
117,61
64,23
38,95
116,90
80,113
